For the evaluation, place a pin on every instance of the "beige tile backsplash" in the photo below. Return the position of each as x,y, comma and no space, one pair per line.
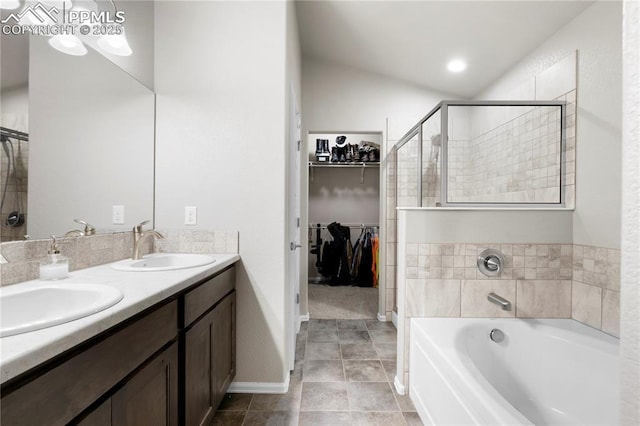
23,257
540,280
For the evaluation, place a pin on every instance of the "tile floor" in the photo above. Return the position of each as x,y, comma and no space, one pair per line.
342,302
343,376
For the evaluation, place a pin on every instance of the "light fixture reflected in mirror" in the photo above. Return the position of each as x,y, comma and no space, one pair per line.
69,44
9,4
116,44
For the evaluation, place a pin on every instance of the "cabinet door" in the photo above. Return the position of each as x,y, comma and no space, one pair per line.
224,347
101,416
151,396
209,361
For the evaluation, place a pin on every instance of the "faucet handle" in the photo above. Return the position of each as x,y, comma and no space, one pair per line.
88,229
138,227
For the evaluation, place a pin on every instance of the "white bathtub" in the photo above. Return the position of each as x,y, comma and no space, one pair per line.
545,372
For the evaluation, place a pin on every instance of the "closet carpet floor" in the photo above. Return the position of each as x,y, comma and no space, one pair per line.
343,375
342,302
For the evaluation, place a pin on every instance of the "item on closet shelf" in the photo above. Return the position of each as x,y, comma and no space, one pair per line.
348,154
335,156
322,150
369,151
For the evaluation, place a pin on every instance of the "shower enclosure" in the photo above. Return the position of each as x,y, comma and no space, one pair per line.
484,154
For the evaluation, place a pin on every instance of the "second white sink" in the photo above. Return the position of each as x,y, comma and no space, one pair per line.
164,262
24,309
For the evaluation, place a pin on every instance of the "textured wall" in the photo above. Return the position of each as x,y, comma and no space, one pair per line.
630,287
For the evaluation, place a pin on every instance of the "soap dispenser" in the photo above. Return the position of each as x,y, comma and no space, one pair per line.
55,266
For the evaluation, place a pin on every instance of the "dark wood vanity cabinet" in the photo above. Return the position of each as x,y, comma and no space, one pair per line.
209,347
170,365
149,397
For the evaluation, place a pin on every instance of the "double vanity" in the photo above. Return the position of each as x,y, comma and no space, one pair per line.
114,345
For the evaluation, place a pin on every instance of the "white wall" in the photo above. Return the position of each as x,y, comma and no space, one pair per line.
341,98
596,33
221,133
630,296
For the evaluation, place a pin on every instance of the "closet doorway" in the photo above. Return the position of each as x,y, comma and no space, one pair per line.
344,219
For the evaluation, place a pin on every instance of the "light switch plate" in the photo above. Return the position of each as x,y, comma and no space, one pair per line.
118,215
190,215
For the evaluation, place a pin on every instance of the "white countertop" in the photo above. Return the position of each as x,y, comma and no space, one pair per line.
141,290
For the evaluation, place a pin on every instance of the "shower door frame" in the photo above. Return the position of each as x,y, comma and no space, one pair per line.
443,107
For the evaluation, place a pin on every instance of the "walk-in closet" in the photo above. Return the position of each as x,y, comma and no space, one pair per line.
344,224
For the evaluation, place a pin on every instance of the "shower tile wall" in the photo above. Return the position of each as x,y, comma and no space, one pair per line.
23,257
21,150
516,161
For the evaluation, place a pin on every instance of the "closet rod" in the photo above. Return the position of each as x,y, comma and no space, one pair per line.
347,225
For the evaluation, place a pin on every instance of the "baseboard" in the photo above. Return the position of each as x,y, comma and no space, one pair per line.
259,387
382,318
399,386
394,319
305,317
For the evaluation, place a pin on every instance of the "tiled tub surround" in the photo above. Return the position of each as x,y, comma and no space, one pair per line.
23,257
540,280
596,288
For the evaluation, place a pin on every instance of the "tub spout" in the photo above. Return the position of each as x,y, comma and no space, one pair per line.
500,301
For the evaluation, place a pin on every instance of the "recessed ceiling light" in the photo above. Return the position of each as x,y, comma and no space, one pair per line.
457,65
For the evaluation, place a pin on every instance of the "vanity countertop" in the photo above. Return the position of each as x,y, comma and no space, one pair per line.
141,290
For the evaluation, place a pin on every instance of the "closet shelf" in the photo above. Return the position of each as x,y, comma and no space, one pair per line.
358,165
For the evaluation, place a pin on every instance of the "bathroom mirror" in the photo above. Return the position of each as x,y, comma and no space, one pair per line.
91,125
91,143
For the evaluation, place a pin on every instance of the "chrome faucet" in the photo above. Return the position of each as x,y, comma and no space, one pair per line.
500,301
139,235
88,229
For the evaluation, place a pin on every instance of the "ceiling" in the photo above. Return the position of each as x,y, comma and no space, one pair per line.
413,40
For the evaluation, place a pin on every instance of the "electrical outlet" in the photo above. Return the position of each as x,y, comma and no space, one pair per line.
190,215
118,215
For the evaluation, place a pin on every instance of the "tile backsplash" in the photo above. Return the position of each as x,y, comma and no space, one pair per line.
21,259
540,280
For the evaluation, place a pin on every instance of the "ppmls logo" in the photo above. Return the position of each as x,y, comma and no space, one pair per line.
38,14
39,19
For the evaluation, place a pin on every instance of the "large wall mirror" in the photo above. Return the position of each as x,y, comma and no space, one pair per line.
90,126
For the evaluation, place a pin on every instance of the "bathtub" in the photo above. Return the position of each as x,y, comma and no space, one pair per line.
544,372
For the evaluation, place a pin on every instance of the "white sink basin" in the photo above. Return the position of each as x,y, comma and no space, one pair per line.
33,308
164,262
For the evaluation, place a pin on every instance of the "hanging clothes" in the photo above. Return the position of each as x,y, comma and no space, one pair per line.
374,262
337,255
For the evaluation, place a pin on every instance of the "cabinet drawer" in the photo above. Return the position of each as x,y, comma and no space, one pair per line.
66,390
203,297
